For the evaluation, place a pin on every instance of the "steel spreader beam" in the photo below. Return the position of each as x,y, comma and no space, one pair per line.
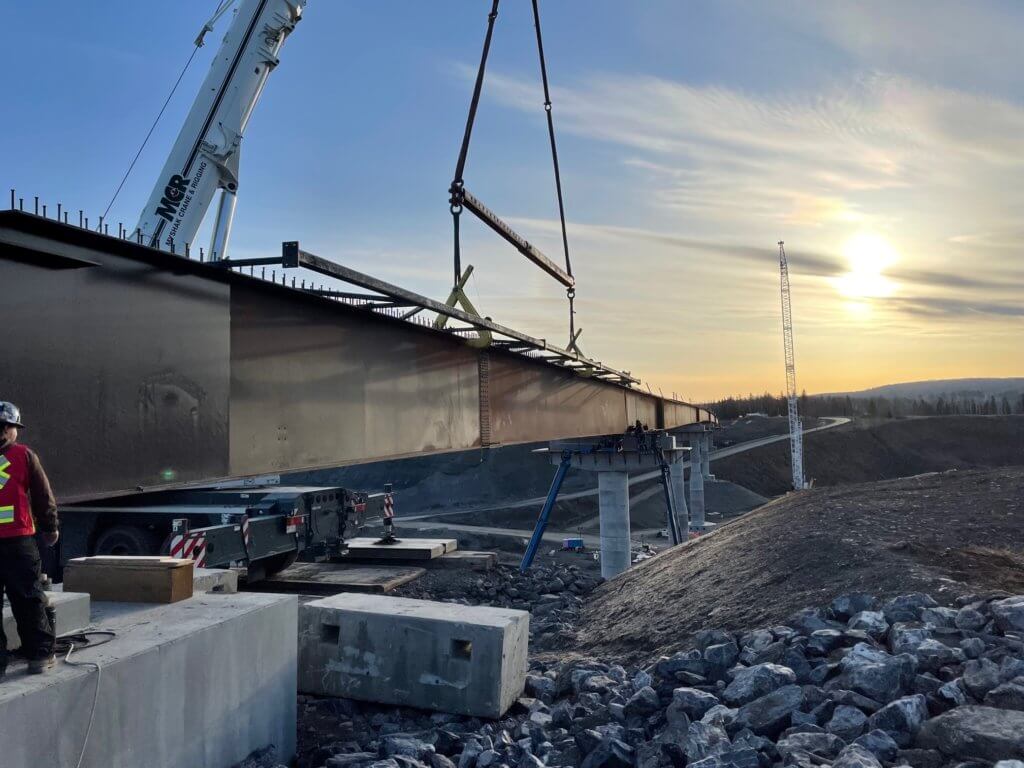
530,251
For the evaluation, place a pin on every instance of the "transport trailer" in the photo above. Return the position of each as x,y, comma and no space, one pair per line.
264,528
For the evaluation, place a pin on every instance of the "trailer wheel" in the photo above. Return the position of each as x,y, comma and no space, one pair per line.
277,563
126,540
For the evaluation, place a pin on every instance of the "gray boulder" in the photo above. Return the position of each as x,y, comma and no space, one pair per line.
856,756
756,640
809,620
905,638
846,606
970,619
1009,613
952,693
743,757
972,647
825,745
980,676
906,607
933,655
707,637
901,719
976,733
1007,695
881,681
644,702
769,715
753,682
847,722
872,622
719,716
823,641
692,702
722,655
939,617
702,740
406,746
880,744
610,753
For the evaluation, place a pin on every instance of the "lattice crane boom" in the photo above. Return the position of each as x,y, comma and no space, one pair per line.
796,439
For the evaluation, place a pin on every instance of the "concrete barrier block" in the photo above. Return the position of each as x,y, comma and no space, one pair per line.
469,660
200,683
72,610
222,580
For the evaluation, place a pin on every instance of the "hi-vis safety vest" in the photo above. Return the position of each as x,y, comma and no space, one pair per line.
15,512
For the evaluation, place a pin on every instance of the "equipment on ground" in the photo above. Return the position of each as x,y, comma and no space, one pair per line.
796,438
264,528
204,160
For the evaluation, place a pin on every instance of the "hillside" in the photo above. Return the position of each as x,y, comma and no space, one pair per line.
945,534
981,388
883,449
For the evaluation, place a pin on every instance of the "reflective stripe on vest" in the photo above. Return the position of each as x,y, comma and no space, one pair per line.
6,515
4,465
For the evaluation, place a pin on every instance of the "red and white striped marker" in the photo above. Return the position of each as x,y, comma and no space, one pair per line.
246,534
190,546
389,506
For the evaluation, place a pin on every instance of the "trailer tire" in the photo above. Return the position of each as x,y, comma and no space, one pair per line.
126,540
277,563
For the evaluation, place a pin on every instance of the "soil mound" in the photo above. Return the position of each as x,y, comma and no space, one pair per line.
943,533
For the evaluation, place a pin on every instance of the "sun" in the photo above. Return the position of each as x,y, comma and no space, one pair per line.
868,255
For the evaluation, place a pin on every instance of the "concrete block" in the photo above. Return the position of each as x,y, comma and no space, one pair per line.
72,615
222,580
199,683
469,660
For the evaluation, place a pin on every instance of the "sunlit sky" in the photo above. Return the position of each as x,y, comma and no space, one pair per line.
884,142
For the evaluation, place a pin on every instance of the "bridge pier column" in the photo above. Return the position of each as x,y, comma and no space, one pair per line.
677,474
705,458
613,507
697,483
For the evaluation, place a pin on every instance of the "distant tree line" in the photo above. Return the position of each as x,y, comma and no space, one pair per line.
950,404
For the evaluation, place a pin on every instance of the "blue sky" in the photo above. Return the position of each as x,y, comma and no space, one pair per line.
883,141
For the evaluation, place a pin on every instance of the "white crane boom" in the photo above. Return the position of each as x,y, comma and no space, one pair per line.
204,159
796,438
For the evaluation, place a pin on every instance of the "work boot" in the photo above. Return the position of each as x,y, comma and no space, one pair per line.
41,666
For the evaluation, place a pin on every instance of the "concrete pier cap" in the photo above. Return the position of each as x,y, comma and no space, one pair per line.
613,458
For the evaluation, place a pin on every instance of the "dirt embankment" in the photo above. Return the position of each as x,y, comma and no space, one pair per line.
947,533
880,450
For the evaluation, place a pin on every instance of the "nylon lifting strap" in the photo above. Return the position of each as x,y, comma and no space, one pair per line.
458,182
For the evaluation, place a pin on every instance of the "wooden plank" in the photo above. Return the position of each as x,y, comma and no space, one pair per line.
127,583
332,578
131,561
463,558
404,549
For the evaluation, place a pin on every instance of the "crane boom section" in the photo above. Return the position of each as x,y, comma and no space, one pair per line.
205,155
796,439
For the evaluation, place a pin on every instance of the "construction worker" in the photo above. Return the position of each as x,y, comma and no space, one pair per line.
26,506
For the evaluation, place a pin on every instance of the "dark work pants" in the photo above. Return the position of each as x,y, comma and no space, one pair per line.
20,583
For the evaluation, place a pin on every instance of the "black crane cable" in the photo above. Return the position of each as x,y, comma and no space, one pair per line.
458,183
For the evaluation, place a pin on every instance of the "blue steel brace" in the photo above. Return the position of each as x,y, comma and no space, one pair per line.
545,512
